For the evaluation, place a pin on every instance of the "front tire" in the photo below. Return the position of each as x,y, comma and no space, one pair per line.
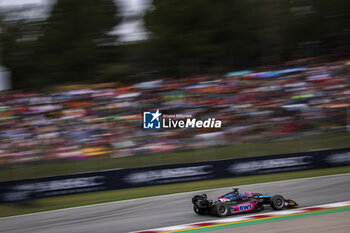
221,210
277,202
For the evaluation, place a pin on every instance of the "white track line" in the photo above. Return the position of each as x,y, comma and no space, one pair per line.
169,195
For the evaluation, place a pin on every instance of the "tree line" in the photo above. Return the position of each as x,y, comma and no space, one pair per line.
75,44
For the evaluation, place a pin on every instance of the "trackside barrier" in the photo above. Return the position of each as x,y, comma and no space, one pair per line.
21,190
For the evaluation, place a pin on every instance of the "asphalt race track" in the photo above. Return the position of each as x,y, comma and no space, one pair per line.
155,212
335,223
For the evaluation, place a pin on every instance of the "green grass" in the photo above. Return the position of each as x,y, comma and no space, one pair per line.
124,194
329,141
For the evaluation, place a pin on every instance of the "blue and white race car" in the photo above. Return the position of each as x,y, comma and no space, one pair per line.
235,202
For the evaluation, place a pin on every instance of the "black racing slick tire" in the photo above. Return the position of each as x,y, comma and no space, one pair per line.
199,211
277,202
221,210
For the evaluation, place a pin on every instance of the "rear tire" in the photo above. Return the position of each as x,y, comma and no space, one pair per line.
199,211
221,210
277,202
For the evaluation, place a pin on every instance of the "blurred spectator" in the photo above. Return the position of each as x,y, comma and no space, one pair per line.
84,123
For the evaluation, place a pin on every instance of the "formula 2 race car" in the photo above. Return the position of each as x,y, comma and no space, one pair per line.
235,202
